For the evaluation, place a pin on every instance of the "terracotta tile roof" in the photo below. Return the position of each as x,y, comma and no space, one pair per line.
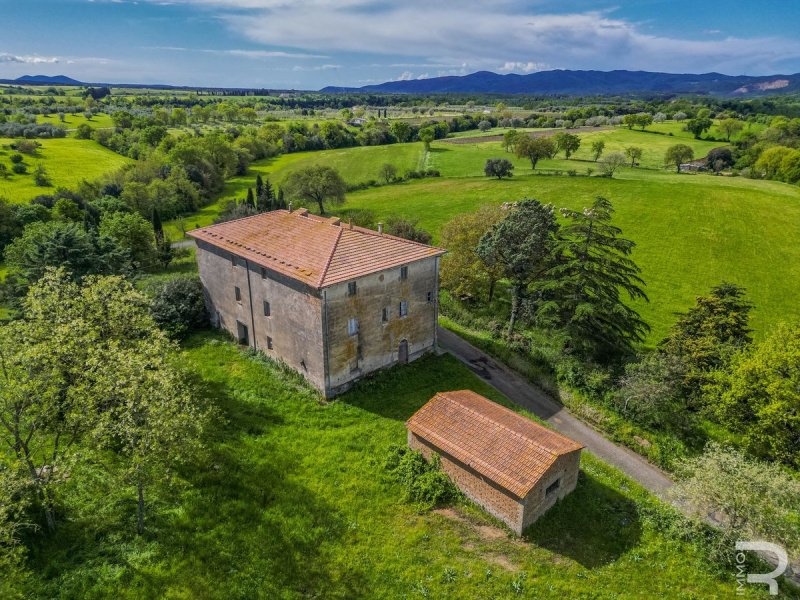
312,249
503,446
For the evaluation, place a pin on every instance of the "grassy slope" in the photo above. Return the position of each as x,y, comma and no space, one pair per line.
292,503
72,120
67,160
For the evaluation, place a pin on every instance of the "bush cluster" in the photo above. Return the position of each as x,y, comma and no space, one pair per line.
424,482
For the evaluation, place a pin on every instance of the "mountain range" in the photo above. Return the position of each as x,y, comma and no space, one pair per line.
583,83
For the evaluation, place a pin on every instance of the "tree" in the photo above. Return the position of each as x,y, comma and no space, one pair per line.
651,390
426,135
678,155
133,234
719,159
265,199
679,116
751,499
597,149
178,304
316,184
485,125
730,127
510,139
535,149
709,333
407,230
84,132
522,246
584,288
612,162
568,143
634,153
464,272
250,199
498,167
388,172
698,126
758,396
401,130
40,176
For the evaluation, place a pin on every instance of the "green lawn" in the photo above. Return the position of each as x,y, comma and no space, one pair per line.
291,502
72,120
68,161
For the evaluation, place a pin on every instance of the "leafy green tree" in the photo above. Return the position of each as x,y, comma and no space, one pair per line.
426,135
250,199
535,149
407,229
316,184
133,234
719,158
401,130
769,165
498,167
464,272
585,287
751,499
597,149
522,246
758,396
611,163
484,125
698,126
634,153
265,198
568,143
84,131
178,304
730,127
651,390
388,172
709,333
510,139
678,155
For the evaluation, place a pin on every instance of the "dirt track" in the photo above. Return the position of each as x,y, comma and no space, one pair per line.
499,138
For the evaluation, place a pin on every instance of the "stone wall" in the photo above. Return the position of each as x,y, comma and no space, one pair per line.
537,502
294,326
377,343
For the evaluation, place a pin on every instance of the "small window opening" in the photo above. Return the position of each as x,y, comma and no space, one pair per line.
238,294
403,272
351,288
553,487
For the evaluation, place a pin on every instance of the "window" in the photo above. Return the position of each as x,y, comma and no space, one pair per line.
553,487
385,314
263,273
430,297
352,327
238,294
266,309
403,308
233,260
351,288
241,333
403,272
269,343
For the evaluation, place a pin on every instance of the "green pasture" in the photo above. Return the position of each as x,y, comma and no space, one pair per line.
72,120
68,161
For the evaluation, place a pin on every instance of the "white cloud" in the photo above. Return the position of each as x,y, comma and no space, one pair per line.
405,76
28,59
298,68
522,67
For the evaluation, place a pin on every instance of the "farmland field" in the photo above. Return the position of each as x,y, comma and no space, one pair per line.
692,231
292,502
68,161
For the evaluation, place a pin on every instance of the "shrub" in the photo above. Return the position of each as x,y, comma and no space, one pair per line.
424,482
178,304
16,158
19,168
27,146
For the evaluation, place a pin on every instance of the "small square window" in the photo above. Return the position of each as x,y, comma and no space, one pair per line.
238,294
553,487
403,272
403,308
269,343
263,273
430,297
385,314
351,288
266,308
233,260
352,327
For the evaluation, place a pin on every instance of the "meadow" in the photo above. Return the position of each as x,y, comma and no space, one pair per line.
72,120
68,161
291,501
692,230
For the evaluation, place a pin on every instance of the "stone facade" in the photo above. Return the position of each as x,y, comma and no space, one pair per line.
517,513
331,335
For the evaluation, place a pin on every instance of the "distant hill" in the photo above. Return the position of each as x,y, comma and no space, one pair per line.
588,83
47,80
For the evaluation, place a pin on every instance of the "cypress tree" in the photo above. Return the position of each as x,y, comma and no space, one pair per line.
259,186
250,201
158,228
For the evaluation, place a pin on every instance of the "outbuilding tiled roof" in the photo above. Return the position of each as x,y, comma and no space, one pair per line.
507,448
315,250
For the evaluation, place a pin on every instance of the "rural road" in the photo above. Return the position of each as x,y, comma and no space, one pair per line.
531,398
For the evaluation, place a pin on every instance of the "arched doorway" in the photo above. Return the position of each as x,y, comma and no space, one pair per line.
402,352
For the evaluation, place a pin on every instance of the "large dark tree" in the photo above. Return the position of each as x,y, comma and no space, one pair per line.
317,184
535,149
498,167
585,289
522,245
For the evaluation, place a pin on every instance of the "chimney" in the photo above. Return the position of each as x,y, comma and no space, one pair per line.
380,228
290,206
350,222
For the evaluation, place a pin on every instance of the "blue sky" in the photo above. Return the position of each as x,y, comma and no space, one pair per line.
307,44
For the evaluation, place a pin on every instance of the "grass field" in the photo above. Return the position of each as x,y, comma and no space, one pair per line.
67,160
72,120
292,502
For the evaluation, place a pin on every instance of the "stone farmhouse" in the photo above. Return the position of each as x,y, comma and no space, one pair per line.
513,467
330,300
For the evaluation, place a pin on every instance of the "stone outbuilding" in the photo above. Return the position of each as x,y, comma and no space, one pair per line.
513,467
330,300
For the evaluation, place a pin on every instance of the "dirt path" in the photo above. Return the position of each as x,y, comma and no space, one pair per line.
499,138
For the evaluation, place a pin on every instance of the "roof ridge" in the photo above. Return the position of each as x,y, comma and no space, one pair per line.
525,438
368,231
236,220
330,256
